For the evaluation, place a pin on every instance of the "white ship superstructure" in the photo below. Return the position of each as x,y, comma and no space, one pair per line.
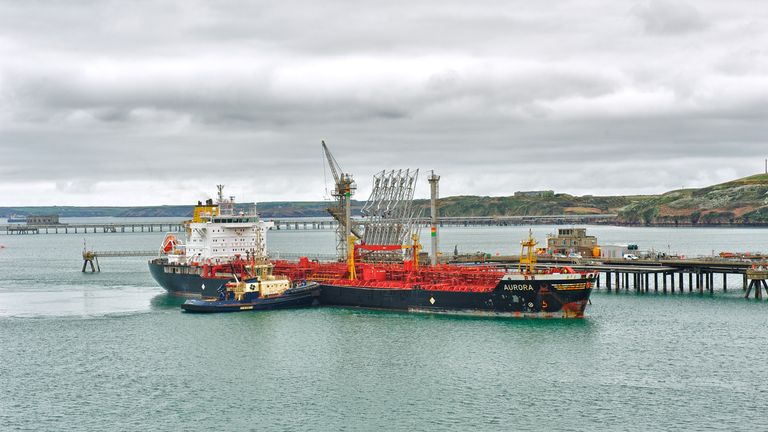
217,233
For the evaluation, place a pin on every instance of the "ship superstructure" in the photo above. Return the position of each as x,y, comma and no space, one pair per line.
218,234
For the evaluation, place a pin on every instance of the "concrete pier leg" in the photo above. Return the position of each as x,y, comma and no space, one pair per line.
672,282
664,282
680,280
656,282
725,282
608,281
744,282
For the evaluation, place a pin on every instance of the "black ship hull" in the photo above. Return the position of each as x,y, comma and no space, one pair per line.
549,299
184,280
529,298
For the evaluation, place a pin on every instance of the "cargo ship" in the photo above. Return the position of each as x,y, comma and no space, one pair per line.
527,291
219,243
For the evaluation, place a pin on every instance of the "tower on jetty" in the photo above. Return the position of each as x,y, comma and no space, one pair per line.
757,276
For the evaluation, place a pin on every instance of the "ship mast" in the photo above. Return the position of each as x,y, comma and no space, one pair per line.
528,254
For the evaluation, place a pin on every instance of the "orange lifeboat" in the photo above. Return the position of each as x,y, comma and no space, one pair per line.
169,243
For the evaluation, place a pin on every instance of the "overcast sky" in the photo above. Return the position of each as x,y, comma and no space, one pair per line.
142,103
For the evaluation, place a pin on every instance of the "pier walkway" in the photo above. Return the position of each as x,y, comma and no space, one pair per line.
296,224
83,228
464,221
91,257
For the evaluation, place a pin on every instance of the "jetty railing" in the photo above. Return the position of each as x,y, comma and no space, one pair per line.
296,224
92,257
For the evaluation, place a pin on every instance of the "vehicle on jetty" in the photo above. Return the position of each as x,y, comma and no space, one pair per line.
558,292
209,254
255,295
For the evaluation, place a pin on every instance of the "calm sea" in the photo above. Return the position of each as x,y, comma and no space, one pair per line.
110,351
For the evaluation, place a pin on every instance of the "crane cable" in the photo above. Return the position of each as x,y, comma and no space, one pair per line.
326,197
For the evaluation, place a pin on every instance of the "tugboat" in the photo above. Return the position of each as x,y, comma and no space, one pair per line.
256,295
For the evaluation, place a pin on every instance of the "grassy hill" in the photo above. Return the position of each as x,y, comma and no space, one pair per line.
556,204
742,201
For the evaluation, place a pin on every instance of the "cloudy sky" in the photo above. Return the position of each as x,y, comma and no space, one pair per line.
141,103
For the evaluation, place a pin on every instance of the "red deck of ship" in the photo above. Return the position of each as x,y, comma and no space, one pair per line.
395,276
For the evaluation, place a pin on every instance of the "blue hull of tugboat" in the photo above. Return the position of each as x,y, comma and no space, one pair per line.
302,296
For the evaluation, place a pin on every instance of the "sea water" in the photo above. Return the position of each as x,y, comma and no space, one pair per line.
112,351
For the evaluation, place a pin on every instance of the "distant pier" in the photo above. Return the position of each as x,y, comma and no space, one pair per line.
132,227
461,221
297,224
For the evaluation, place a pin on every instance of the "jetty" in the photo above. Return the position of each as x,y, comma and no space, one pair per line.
320,223
699,275
456,221
91,257
93,228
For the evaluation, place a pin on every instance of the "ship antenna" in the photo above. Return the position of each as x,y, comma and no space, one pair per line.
221,193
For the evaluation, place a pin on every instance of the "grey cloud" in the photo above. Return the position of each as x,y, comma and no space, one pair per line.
495,96
669,17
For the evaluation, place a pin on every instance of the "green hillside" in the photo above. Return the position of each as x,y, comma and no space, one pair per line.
557,204
742,201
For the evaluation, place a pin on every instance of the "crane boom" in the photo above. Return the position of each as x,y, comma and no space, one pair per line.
335,168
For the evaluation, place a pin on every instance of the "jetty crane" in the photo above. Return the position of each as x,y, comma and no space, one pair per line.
341,211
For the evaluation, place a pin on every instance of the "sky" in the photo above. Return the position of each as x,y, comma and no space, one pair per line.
155,102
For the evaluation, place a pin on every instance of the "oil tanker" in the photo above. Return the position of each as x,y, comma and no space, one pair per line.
221,245
448,289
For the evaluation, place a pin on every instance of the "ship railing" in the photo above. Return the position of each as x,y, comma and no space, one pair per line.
290,256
